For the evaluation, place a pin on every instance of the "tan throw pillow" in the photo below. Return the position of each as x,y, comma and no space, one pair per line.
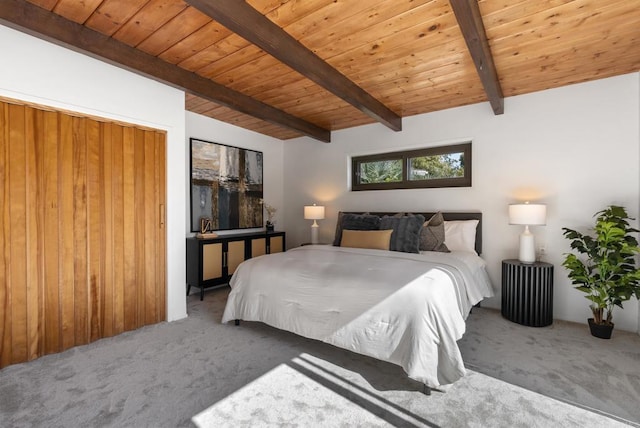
374,239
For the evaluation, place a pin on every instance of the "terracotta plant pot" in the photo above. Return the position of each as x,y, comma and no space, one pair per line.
601,331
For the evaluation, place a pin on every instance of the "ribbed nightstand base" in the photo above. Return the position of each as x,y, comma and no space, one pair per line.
527,293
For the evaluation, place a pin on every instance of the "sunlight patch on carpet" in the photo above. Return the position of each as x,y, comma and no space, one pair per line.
285,396
308,391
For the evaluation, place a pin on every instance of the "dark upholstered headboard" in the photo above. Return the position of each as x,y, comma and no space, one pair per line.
449,216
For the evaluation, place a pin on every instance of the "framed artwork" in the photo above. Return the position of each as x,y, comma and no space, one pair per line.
226,186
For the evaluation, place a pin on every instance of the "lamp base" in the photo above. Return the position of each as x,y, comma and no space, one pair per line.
314,233
527,247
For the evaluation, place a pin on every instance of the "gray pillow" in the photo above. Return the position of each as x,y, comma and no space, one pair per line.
355,222
406,232
432,234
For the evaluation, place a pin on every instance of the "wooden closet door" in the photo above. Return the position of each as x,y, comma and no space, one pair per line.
83,240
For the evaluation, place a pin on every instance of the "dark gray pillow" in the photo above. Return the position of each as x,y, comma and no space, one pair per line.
406,232
432,234
355,222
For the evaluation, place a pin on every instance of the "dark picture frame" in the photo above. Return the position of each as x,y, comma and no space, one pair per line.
226,186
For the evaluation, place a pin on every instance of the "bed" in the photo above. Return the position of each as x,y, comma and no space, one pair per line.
405,308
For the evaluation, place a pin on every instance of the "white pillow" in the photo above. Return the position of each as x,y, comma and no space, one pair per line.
460,235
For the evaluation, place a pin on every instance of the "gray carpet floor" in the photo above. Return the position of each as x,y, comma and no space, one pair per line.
562,361
198,370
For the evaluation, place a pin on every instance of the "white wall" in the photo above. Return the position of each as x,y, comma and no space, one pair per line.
574,148
39,72
208,129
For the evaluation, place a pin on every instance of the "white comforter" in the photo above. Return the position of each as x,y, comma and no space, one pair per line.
407,309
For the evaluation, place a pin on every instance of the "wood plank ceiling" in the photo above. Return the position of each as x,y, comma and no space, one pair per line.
409,56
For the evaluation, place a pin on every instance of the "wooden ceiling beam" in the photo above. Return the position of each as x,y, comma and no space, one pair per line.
239,17
469,19
26,17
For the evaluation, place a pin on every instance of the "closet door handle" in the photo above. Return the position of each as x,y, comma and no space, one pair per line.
161,215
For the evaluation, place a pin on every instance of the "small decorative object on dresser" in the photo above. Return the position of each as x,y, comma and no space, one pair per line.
271,211
609,274
205,224
205,229
527,292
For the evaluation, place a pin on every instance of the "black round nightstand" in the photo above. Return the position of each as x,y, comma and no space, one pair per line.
527,292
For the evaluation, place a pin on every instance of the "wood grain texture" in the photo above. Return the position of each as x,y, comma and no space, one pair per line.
33,220
150,18
82,247
50,234
95,226
66,238
54,28
18,233
250,24
472,28
130,284
112,14
409,55
105,161
161,195
80,232
182,25
139,227
117,202
151,224
76,11
5,229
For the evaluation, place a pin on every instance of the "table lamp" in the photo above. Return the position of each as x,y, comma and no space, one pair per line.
314,212
528,215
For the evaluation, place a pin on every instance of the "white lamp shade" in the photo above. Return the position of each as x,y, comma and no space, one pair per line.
528,214
313,212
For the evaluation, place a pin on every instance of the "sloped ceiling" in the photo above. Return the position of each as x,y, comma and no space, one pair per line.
288,68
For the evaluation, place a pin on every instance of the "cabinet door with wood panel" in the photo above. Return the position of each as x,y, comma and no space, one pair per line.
212,262
270,243
236,251
276,244
221,259
258,246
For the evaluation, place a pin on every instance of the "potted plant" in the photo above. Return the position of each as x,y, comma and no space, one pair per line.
608,274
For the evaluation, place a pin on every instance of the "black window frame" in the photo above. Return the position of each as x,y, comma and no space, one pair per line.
405,156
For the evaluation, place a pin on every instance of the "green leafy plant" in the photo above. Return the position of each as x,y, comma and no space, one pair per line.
608,275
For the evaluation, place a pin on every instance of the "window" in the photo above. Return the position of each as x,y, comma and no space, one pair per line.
445,166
